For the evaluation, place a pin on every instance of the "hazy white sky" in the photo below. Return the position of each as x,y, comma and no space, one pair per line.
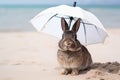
106,2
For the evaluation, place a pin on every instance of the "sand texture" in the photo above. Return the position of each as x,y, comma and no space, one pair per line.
32,56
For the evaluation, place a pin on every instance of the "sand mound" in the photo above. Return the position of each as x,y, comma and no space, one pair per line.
104,71
110,67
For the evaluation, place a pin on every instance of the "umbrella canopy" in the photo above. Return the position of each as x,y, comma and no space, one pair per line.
49,21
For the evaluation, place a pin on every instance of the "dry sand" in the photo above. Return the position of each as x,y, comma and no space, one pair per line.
32,56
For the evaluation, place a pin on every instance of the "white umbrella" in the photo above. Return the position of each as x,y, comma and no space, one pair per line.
49,21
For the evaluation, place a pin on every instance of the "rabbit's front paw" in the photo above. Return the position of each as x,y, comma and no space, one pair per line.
75,72
65,72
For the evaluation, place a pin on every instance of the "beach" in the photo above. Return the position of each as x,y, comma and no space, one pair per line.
33,56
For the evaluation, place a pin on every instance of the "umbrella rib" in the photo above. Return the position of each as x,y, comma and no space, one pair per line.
48,21
97,31
60,17
94,26
87,23
85,32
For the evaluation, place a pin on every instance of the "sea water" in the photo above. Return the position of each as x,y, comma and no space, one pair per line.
17,17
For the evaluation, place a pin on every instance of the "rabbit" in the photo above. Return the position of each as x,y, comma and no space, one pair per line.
72,55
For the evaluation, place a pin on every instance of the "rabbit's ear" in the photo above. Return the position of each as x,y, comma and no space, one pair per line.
76,26
64,25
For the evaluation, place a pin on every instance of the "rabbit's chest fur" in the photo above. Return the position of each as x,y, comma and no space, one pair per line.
70,59
79,59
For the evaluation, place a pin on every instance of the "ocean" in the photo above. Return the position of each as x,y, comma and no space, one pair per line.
17,17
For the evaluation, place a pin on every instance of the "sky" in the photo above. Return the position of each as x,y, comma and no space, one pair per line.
84,2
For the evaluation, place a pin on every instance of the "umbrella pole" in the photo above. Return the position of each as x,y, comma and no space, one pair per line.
71,18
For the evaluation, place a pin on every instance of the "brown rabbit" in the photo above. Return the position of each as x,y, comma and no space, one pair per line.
72,55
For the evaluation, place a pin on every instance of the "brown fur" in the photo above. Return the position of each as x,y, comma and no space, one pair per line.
72,55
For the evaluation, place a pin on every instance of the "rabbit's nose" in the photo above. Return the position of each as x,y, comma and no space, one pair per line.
68,43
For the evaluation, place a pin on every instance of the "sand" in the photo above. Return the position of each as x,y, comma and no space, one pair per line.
32,56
